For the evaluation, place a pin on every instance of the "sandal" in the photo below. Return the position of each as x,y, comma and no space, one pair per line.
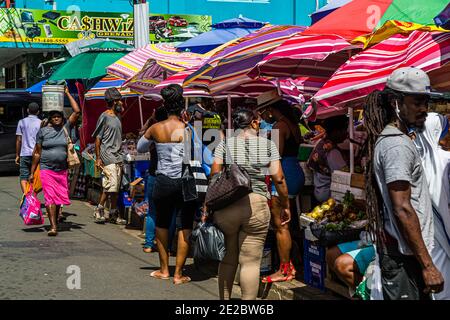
154,275
52,233
287,270
184,279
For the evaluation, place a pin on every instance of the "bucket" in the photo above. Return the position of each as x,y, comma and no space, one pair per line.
52,98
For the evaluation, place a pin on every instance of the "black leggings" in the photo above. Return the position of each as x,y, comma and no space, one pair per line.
168,199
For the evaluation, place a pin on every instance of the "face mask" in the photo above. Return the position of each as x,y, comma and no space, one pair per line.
118,108
265,125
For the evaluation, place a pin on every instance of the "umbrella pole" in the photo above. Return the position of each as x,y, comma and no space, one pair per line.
186,103
229,111
140,112
279,87
350,128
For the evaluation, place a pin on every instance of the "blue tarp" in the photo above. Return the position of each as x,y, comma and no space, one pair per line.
36,88
209,40
327,9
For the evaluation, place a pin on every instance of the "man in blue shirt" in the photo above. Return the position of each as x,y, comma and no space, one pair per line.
27,130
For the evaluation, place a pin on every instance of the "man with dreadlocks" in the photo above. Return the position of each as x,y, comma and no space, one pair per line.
398,201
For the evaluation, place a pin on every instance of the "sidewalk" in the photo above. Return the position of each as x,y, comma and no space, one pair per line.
293,290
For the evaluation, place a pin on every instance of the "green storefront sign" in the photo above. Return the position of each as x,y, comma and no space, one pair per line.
29,26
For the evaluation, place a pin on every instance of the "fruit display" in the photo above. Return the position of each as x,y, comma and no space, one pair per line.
338,216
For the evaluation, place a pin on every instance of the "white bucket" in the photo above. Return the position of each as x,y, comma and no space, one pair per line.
52,98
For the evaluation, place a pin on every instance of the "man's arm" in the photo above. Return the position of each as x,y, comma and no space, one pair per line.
18,148
408,222
98,160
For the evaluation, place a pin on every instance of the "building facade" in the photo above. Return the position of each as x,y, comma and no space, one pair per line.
274,11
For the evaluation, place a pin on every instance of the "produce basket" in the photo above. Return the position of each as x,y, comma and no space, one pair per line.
329,238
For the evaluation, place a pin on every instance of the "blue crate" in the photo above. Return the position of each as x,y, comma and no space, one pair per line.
314,251
124,200
315,272
140,167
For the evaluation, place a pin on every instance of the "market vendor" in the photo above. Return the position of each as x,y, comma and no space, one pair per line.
327,156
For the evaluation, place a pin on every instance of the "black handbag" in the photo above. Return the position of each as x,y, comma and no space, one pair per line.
232,184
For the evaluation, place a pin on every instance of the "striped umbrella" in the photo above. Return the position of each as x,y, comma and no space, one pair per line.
110,81
228,68
306,56
290,88
363,17
156,70
368,70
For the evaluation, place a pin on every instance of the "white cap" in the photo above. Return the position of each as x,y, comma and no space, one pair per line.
409,80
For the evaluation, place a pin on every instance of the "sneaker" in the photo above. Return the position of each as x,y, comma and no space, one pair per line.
121,221
99,215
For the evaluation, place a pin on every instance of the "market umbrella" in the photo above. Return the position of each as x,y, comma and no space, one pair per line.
443,19
228,68
368,70
156,70
109,81
363,17
87,65
224,31
327,9
306,56
108,45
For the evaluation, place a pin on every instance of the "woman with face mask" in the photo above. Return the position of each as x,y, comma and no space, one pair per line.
51,153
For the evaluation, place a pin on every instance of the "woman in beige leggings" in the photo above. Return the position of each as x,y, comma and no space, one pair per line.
245,223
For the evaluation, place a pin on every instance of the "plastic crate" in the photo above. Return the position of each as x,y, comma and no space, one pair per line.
140,167
124,200
313,250
314,272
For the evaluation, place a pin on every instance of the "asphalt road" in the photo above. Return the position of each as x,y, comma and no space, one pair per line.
110,261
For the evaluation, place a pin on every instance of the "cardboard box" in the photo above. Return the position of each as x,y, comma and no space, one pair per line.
358,180
137,188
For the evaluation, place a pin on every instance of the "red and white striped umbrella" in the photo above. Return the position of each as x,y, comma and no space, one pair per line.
369,70
306,56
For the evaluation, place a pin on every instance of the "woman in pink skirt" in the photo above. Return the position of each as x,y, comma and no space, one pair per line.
51,153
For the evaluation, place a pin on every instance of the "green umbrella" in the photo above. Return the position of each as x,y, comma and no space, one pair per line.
109,46
87,65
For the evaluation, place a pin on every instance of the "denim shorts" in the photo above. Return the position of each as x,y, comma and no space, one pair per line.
294,175
25,167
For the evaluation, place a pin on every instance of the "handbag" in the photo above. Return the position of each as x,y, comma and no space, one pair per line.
72,156
194,181
232,184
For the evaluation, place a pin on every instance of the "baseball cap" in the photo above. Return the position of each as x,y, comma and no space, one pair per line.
409,80
112,94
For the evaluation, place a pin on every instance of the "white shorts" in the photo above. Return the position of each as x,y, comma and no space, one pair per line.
112,174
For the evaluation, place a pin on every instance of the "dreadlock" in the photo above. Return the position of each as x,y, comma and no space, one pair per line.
377,114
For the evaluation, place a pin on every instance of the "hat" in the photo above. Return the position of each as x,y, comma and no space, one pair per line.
112,94
409,80
267,99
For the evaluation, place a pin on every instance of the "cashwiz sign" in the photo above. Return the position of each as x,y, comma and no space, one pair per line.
25,26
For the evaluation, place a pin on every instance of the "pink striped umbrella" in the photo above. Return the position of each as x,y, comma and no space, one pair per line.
369,70
306,56
133,62
228,68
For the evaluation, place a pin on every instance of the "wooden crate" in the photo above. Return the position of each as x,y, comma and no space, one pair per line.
358,181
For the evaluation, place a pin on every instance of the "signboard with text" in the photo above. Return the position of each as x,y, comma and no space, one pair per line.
61,27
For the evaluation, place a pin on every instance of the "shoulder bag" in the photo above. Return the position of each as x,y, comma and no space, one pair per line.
232,184
72,156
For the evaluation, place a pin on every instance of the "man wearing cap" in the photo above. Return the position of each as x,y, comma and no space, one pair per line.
109,156
27,130
407,230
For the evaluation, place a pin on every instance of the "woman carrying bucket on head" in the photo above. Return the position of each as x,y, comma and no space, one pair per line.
51,153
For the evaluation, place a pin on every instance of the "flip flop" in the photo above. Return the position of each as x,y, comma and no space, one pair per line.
153,274
184,279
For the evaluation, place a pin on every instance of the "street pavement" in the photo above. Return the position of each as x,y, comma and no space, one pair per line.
109,259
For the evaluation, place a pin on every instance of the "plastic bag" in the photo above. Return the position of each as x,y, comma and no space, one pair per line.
30,209
208,242
141,208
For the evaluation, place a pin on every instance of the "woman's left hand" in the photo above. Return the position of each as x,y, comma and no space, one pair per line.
285,216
